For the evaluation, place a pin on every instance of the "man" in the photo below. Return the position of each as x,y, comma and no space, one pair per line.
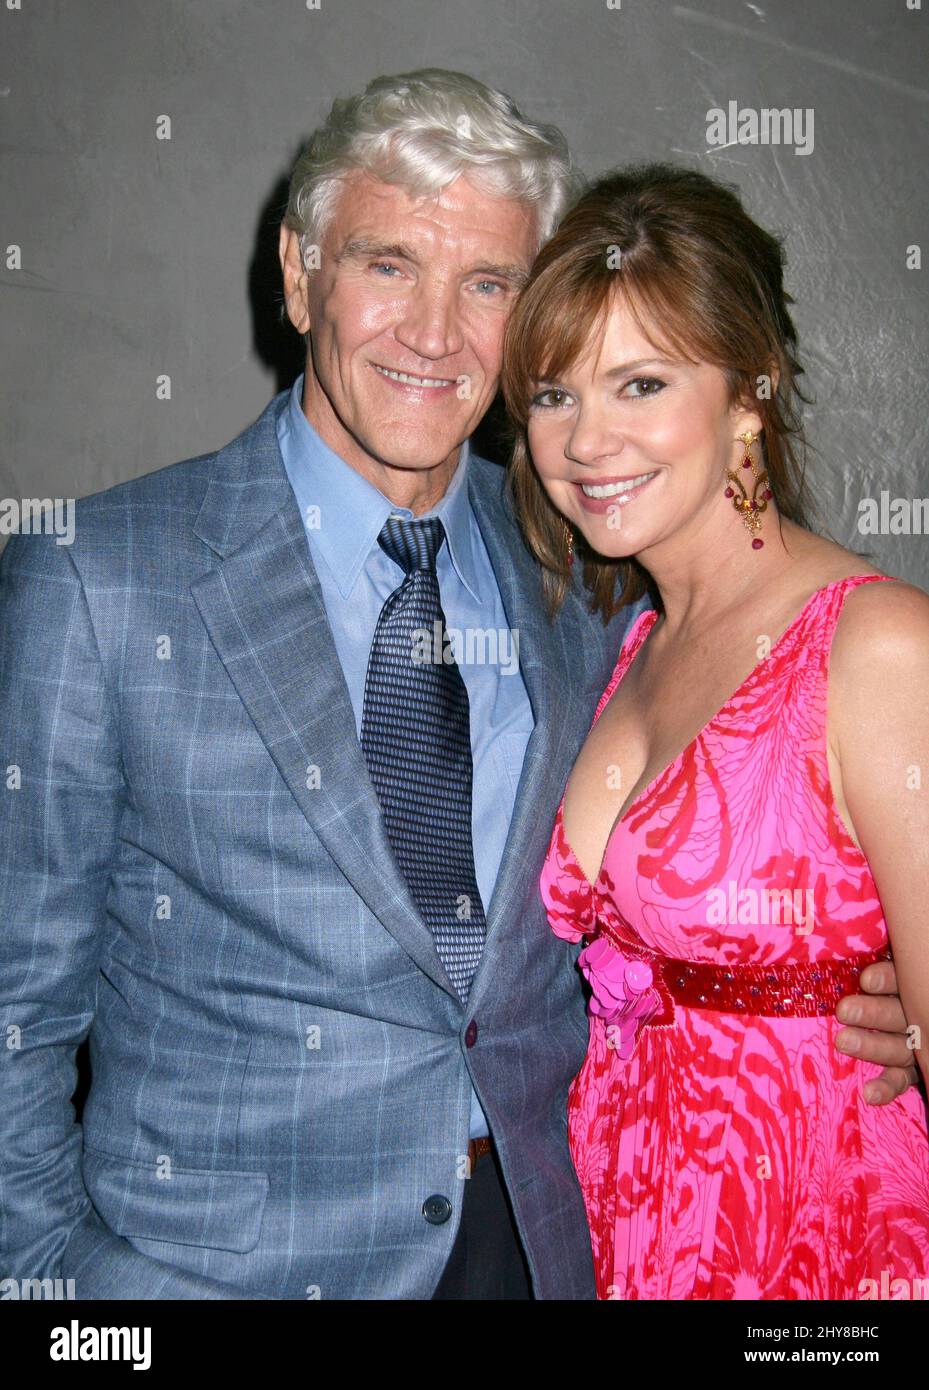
283,870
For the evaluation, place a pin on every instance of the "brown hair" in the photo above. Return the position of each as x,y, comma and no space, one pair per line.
692,261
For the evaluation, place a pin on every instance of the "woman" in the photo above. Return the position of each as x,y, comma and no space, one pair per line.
734,851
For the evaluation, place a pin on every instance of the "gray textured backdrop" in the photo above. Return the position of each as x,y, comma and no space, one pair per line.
142,256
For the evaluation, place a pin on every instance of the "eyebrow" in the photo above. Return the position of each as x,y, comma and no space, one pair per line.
640,362
357,248
625,367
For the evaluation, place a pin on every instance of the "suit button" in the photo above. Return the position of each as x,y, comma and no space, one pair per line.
437,1209
471,1034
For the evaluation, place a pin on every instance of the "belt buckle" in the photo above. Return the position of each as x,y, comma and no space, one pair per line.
477,1148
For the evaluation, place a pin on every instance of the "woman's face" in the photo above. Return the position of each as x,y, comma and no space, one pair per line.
632,445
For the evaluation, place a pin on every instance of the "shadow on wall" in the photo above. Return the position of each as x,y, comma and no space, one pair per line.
277,345
280,348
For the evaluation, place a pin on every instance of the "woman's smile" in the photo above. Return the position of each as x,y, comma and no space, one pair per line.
600,497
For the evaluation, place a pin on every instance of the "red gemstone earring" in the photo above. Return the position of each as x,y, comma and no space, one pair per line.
750,510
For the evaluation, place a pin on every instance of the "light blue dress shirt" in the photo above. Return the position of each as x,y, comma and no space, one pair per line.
343,515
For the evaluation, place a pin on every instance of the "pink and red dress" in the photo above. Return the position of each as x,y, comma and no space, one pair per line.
722,1144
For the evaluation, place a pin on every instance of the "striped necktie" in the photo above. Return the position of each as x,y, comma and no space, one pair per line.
416,738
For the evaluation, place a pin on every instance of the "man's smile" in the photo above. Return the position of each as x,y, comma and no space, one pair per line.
408,379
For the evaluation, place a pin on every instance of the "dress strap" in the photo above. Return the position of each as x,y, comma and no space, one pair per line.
826,608
806,654
638,631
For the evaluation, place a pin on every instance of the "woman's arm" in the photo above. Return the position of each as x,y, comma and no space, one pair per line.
879,720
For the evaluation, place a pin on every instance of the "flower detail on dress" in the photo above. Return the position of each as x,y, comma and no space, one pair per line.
621,992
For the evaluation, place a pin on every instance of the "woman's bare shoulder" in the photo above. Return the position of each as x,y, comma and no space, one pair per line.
878,622
882,627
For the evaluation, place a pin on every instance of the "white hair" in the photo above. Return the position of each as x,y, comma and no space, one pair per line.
422,130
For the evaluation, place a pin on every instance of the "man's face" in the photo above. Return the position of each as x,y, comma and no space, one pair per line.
407,288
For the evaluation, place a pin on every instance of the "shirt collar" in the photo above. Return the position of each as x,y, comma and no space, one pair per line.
352,511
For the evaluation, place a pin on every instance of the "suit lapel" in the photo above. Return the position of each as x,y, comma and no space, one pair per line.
552,661
263,609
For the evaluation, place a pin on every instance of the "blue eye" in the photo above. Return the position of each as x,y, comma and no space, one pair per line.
494,285
384,265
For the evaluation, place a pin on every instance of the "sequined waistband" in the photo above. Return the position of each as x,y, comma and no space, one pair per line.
789,991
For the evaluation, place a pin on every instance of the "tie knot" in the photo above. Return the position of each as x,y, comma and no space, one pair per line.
412,544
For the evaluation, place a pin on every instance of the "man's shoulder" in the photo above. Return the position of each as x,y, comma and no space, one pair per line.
171,496
188,477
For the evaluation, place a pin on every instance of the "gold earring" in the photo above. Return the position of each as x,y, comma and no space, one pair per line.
569,542
750,510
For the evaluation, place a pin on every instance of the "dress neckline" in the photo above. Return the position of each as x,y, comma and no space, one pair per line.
635,640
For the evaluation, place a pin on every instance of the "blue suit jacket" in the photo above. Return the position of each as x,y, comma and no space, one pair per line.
279,1073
